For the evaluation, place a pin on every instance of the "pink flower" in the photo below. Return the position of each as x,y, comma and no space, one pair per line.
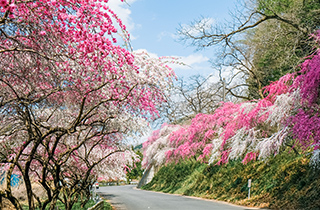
42,33
12,6
3,3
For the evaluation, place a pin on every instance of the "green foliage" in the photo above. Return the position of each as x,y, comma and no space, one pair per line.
135,171
278,6
138,147
77,206
279,46
284,181
172,177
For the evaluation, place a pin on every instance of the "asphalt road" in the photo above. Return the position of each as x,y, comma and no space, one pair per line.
129,198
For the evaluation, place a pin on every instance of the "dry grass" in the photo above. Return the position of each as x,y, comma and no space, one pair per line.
20,193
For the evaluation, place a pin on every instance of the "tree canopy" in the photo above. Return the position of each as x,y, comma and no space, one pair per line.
69,96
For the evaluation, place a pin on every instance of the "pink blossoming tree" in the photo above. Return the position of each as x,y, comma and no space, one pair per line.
69,95
287,116
158,145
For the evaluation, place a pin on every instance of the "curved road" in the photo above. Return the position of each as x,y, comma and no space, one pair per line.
128,198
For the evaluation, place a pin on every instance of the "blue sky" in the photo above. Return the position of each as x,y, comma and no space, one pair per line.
153,27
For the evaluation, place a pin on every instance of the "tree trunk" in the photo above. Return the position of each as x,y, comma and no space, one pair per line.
1,206
8,192
29,191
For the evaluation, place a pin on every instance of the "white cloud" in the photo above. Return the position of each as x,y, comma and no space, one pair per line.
153,55
190,61
193,64
123,11
194,59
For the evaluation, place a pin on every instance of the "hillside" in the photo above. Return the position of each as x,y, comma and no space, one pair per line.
286,181
265,128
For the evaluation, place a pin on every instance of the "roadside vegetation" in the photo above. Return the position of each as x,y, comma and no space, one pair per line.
134,173
285,181
83,202
77,205
61,206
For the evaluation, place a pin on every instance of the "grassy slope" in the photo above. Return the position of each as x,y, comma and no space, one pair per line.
285,181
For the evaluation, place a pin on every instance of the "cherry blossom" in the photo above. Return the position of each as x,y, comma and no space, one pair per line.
288,115
70,95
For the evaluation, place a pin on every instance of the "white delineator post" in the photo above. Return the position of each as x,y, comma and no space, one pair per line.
249,185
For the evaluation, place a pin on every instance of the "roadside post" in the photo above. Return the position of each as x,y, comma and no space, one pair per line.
249,186
94,192
95,196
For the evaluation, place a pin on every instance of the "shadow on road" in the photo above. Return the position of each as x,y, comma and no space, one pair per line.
112,199
107,196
